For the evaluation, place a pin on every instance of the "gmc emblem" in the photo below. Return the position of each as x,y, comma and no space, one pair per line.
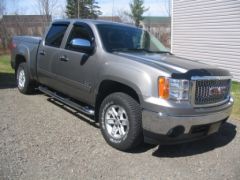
215,91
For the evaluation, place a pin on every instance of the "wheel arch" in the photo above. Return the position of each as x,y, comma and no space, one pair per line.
19,58
109,86
22,55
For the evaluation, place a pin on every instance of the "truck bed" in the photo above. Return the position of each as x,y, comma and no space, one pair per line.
28,46
28,39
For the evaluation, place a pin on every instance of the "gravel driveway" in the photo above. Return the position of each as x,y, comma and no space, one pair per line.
40,139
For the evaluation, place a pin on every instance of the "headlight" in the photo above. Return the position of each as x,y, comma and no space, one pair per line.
175,89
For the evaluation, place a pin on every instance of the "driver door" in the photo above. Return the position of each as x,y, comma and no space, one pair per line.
75,67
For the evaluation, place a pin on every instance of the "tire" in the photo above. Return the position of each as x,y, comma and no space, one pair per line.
126,132
24,84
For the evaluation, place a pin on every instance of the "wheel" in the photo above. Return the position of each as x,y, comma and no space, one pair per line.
121,121
25,85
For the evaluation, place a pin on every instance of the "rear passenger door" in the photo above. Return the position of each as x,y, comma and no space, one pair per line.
48,53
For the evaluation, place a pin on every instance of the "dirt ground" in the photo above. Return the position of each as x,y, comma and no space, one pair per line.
41,139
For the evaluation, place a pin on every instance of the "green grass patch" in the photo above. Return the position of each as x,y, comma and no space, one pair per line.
236,96
6,72
5,66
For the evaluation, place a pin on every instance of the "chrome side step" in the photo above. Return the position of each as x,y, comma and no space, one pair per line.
67,101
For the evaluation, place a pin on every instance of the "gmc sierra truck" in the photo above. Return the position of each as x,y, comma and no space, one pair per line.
125,79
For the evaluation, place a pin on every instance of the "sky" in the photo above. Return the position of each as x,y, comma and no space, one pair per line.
108,7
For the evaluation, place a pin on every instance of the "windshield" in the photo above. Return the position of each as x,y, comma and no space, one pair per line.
124,38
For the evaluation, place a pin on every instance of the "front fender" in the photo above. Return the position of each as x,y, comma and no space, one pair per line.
131,76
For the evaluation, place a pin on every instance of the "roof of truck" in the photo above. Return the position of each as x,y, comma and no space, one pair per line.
92,21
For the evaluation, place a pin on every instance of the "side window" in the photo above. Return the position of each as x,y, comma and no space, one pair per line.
55,35
79,31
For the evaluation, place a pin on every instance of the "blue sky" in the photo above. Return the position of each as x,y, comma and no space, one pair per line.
108,7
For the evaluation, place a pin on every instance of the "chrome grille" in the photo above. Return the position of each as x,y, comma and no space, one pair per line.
214,91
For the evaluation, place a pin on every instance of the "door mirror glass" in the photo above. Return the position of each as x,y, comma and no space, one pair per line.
81,45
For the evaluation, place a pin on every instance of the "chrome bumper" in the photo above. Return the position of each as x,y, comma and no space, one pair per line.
160,123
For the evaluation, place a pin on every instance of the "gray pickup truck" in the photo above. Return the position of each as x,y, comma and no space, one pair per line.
123,77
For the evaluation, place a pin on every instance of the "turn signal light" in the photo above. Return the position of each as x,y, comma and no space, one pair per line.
163,88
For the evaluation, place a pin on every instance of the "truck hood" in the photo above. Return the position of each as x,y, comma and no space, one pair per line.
176,66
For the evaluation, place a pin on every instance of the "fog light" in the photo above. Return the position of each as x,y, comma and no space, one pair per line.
176,131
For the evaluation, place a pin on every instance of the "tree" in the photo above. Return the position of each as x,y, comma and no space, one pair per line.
83,9
93,9
137,9
4,35
124,16
46,8
167,7
72,8
2,7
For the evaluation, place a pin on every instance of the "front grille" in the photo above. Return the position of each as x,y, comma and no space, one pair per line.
211,91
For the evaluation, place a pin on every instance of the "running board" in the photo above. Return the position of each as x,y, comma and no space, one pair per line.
67,101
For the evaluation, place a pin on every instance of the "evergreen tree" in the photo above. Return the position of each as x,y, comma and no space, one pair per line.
93,9
137,9
71,8
83,9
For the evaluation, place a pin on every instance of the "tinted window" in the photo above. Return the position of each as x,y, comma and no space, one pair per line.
55,35
81,32
118,37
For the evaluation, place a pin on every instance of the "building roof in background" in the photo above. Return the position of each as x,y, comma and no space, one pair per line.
156,19
26,18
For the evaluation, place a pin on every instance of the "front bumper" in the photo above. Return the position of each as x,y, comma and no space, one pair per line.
159,127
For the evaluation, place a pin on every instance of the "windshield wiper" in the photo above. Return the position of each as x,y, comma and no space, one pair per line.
138,49
160,52
128,49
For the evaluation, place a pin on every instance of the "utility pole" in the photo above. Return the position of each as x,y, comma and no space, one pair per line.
112,9
169,6
78,8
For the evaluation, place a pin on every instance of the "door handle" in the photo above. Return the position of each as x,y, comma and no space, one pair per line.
63,58
43,53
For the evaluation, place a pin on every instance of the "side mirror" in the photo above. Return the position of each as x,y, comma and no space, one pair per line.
81,45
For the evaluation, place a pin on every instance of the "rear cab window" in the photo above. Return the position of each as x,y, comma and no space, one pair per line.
56,33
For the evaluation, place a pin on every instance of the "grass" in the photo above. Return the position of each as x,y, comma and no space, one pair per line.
236,96
6,72
7,77
5,66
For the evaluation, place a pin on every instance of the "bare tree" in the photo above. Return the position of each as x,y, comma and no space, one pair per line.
16,9
167,7
62,12
3,30
47,8
2,7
